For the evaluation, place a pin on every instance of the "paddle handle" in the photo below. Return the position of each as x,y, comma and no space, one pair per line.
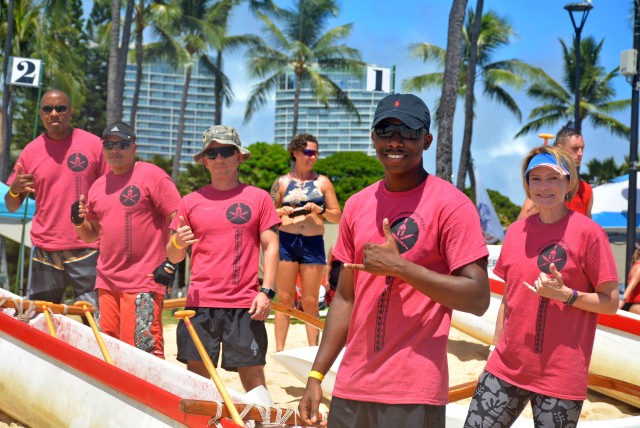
96,333
214,374
47,316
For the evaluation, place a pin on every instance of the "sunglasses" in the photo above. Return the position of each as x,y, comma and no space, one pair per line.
120,145
386,130
59,109
225,152
310,153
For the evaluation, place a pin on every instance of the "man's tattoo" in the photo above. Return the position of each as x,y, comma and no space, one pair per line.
275,229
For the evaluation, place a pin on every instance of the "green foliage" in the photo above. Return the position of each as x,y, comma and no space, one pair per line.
266,164
507,211
194,178
350,172
600,172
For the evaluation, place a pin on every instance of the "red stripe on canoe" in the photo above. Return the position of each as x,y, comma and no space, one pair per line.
144,392
616,322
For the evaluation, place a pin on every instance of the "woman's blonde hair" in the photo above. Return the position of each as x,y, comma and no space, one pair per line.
563,159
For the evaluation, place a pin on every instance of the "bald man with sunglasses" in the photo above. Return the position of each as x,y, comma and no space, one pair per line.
58,167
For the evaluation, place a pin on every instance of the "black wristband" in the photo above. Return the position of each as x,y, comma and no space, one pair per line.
572,299
324,209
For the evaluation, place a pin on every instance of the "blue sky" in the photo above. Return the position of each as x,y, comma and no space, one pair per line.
383,33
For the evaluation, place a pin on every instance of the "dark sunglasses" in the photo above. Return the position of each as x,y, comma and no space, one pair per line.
120,145
386,130
310,153
225,152
59,109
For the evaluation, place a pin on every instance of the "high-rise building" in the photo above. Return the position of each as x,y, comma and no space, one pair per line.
159,109
337,129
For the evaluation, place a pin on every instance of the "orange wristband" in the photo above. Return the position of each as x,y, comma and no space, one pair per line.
13,195
175,243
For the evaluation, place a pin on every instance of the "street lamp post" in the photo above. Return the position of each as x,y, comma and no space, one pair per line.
578,8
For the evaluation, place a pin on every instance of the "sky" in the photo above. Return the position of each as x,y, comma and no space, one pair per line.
383,34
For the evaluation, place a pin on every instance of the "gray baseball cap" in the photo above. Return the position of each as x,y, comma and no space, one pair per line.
224,135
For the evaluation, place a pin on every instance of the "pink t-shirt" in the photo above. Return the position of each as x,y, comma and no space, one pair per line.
132,210
224,261
63,170
546,345
397,343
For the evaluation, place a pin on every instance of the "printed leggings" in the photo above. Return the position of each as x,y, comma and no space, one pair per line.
497,403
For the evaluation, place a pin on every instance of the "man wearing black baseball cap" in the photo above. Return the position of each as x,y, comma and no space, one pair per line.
413,250
129,209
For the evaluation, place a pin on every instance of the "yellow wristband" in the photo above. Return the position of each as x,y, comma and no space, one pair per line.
316,375
13,195
175,244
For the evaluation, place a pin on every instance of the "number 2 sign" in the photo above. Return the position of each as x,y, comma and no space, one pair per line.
25,72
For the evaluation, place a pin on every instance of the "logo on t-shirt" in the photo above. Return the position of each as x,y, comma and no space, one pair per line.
130,196
77,162
555,254
239,213
406,232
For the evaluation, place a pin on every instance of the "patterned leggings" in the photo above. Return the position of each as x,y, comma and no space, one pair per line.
497,403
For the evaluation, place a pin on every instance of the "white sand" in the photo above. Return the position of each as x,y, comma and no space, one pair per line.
467,357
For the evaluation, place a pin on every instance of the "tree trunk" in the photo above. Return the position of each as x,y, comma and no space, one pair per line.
296,105
139,44
114,111
465,152
453,59
218,89
122,58
175,169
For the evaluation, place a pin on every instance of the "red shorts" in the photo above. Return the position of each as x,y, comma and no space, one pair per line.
134,318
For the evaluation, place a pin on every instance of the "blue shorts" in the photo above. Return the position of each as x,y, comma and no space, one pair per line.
307,250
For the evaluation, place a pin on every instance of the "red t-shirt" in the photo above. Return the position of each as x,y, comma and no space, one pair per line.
581,199
546,345
224,261
132,210
63,170
397,343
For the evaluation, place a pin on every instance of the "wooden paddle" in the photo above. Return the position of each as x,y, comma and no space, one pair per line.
546,138
55,308
210,408
96,332
47,316
185,315
302,316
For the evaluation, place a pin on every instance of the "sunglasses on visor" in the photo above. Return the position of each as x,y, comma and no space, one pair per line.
225,152
386,130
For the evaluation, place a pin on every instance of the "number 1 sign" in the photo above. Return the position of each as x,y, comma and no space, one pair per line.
25,72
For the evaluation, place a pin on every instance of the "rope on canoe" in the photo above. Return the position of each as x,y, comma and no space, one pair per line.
22,314
280,419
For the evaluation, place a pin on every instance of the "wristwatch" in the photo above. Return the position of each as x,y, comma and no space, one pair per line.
269,292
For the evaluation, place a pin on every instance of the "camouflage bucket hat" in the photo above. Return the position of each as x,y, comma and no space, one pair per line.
224,135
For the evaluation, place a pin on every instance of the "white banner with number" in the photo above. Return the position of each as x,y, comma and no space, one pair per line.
25,72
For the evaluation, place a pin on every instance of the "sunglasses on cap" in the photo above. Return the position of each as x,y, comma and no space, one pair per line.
120,145
310,153
225,152
59,109
386,130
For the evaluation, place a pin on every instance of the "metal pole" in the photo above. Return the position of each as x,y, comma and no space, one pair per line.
633,150
577,125
6,123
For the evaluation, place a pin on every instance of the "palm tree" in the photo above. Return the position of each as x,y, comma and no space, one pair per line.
596,93
184,39
600,172
301,48
495,32
450,82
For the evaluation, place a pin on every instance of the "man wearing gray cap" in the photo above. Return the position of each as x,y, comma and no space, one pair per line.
225,224
413,250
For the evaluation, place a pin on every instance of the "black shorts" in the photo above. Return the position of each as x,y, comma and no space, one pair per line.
360,414
244,341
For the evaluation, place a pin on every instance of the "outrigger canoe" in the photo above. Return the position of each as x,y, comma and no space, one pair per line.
64,380
616,348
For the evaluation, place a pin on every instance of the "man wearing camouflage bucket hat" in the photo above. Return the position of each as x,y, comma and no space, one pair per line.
225,224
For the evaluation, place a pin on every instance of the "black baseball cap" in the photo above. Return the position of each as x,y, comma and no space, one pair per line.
411,110
119,129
